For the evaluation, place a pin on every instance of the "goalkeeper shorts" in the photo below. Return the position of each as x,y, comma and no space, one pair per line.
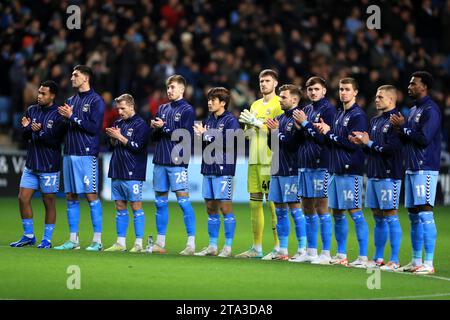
258,178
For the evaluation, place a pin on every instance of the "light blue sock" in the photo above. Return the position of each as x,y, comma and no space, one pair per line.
188,215
27,225
283,226
429,234
300,227
416,235
48,232
312,229
139,223
122,222
341,232
213,228
326,230
73,215
381,234
362,232
229,222
162,214
96,215
395,236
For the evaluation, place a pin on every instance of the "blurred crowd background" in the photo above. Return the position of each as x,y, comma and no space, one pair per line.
134,45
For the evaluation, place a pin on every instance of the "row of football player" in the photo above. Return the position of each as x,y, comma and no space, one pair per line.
336,142
333,142
335,149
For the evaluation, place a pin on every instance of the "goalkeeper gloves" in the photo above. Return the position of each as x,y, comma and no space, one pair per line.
248,118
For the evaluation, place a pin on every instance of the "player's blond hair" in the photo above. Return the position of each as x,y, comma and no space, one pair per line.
127,98
390,89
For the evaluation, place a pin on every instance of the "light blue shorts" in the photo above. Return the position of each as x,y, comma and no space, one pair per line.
383,194
313,183
165,177
283,189
217,187
80,174
344,191
127,190
420,188
46,182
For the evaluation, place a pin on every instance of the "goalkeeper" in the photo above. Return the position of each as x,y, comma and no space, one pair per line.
260,157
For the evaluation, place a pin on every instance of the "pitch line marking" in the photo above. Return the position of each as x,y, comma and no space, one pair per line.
404,273
437,277
412,297
424,276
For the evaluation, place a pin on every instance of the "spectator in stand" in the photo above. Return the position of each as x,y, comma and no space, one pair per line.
215,42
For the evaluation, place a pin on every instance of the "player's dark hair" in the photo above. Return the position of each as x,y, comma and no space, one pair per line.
293,89
315,80
425,77
351,81
220,93
51,85
269,72
176,78
87,71
127,98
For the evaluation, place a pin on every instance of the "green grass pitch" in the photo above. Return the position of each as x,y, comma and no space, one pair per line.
30,273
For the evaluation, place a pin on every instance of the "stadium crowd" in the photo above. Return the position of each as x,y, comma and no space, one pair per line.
134,45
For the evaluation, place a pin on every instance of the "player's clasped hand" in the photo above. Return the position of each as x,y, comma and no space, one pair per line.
322,127
199,129
157,123
359,137
249,118
300,116
397,119
25,121
113,132
36,126
272,124
65,110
